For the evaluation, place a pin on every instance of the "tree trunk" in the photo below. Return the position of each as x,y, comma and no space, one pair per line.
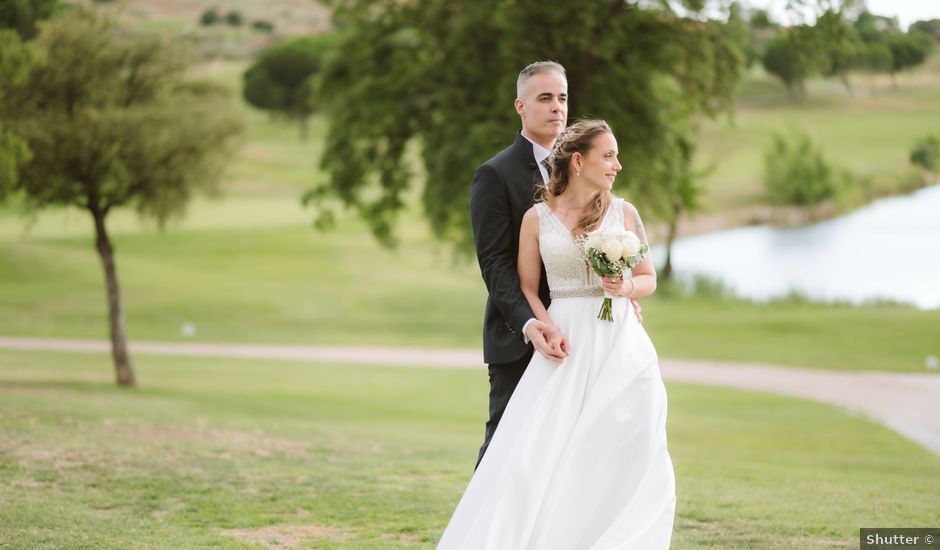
122,359
666,273
845,82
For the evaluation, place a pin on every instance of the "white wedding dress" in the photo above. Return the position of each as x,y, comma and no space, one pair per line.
579,460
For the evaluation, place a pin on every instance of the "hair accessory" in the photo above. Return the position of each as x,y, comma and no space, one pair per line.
560,142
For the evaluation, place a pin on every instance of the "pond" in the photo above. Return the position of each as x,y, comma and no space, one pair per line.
888,250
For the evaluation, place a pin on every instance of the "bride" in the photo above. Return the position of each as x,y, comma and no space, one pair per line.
579,460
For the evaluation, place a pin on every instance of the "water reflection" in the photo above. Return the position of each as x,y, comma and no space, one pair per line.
887,250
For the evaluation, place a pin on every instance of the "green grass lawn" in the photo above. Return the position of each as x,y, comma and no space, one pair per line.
218,453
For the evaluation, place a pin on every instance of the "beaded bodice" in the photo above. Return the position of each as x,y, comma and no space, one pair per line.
568,274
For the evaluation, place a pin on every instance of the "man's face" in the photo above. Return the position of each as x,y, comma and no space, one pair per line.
543,107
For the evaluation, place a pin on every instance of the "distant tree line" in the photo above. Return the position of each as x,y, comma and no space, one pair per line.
843,39
234,18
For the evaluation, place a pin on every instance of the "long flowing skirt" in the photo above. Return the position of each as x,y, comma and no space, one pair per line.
579,460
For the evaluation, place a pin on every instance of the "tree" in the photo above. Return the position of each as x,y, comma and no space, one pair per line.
875,58
285,77
841,45
930,26
793,56
683,196
907,51
760,19
741,30
439,75
16,59
112,122
874,28
760,30
22,15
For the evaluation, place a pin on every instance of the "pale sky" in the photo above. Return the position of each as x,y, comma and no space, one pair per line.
907,11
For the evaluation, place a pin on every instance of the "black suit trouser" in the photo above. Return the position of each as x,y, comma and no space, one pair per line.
503,380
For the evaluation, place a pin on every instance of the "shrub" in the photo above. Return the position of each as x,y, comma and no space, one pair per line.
926,153
796,173
262,25
210,17
234,18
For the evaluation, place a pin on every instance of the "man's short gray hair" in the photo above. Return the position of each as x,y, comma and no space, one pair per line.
538,67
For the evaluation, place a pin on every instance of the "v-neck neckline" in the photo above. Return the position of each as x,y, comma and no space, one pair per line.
569,231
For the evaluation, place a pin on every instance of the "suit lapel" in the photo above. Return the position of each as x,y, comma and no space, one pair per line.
523,148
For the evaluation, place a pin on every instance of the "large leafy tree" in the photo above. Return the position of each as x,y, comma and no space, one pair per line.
23,15
440,75
111,122
285,77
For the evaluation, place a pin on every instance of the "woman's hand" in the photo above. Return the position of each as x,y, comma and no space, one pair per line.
618,286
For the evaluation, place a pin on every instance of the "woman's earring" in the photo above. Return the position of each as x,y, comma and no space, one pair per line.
578,173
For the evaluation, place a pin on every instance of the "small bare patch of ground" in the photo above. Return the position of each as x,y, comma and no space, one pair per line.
822,543
31,457
28,483
286,536
241,442
403,538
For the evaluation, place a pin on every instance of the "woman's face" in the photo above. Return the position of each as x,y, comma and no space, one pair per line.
599,166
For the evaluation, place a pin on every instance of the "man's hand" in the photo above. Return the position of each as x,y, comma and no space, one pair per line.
548,341
637,310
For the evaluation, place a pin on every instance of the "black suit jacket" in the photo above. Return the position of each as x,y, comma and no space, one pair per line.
503,189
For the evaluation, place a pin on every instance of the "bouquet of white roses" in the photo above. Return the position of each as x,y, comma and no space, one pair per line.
609,253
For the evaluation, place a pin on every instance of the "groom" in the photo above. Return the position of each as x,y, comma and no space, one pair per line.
503,189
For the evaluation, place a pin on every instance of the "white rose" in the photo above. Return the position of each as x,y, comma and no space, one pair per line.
630,244
612,248
592,240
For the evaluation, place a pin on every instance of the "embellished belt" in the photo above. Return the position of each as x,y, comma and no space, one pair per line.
584,292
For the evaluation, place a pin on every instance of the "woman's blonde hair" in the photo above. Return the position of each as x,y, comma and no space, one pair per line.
577,138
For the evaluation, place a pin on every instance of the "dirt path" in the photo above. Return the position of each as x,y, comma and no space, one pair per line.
909,403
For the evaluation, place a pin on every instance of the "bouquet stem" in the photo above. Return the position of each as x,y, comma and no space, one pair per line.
606,313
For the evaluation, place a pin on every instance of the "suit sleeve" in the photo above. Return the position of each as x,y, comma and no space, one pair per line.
493,233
